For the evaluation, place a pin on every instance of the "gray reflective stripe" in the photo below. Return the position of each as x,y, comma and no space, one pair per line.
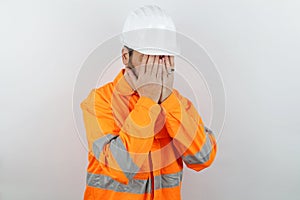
167,180
201,156
105,182
123,158
135,185
99,144
119,153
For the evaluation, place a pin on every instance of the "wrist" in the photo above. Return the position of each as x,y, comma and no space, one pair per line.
171,102
153,99
164,97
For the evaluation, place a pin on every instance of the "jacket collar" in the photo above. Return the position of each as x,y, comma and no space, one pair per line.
121,84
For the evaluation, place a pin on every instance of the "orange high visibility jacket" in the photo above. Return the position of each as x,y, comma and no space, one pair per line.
137,147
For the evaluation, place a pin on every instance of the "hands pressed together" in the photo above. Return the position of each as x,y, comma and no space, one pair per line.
153,78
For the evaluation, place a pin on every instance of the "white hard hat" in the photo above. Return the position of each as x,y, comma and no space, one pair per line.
149,30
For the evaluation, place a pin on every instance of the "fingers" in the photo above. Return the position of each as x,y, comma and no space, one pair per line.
131,75
164,68
155,66
142,69
149,64
171,58
160,69
170,67
167,61
144,59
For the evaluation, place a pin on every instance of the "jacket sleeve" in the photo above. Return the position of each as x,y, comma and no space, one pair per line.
120,151
194,142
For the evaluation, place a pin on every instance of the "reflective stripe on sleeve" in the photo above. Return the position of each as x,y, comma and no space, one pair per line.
99,144
119,152
201,156
123,158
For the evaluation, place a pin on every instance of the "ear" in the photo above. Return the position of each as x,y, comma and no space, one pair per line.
125,56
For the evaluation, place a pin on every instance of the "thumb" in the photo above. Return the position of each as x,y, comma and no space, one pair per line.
131,75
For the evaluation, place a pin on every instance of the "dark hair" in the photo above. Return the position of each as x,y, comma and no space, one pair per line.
130,50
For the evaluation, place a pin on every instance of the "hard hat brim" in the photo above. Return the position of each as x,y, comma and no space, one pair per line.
154,51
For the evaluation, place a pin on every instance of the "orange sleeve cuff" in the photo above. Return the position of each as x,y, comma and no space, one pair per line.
148,104
171,103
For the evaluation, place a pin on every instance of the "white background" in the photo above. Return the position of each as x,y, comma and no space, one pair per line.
254,43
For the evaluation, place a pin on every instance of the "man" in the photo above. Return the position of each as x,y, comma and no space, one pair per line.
140,130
